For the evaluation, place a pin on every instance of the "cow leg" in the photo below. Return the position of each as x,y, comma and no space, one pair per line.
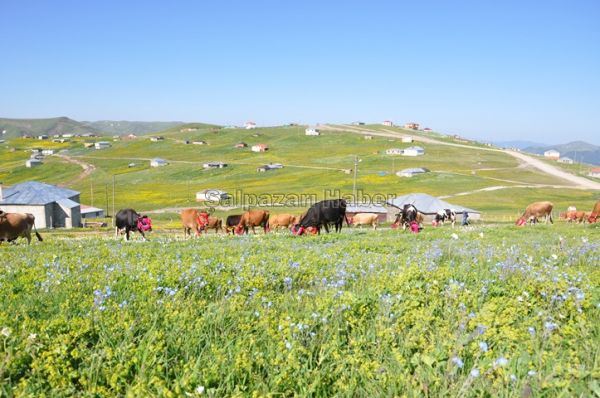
127,233
326,227
116,232
143,236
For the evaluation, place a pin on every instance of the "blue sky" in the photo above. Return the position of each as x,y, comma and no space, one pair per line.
512,70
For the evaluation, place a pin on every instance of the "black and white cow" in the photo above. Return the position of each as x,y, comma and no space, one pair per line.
408,214
445,215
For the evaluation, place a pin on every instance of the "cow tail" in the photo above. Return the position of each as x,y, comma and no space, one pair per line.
37,234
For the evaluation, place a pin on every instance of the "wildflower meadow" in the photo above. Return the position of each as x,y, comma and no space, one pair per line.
479,311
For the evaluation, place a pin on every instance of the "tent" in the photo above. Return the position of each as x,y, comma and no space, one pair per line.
429,205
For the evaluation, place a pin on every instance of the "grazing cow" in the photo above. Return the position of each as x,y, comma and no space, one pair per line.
595,213
251,219
444,215
195,220
408,214
282,220
576,216
131,221
214,223
535,210
322,214
231,222
17,225
364,219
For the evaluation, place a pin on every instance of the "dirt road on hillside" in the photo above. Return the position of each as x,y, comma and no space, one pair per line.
577,181
88,168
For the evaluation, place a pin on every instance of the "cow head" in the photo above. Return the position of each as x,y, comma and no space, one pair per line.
349,220
144,223
593,218
239,229
298,230
521,221
202,220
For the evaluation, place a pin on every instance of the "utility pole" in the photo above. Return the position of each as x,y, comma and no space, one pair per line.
354,183
113,201
106,197
92,192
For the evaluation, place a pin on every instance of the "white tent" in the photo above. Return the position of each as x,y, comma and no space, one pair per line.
429,205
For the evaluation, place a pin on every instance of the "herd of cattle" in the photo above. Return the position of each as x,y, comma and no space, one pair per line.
322,215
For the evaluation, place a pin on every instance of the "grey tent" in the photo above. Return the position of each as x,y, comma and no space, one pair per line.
429,205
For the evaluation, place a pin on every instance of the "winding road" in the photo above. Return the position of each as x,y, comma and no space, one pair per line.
577,181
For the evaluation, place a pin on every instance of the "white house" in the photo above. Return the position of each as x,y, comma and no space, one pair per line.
565,160
199,142
594,172
407,139
312,131
48,152
67,135
412,172
394,151
250,125
158,162
52,206
43,137
33,162
214,165
552,154
388,123
157,138
213,195
368,137
102,145
414,151
260,148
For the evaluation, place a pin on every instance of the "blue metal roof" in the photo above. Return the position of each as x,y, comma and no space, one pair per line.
34,193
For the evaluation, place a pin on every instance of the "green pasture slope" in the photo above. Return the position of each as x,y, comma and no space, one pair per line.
488,311
312,165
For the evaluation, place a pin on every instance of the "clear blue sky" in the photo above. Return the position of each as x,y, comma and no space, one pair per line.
499,70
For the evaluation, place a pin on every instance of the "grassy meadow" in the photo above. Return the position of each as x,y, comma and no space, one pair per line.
477,311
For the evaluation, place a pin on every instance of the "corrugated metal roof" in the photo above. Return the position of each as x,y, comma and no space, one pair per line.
68,203
427,204
35,193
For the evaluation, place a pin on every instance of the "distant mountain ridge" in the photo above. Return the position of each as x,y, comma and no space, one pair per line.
130,127
519,144
63,125
579,151
57,125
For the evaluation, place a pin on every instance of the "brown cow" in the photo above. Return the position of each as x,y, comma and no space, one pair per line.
364,219
251,219
578,216
17,225
535,210
193,219
595,213
214,223
282,220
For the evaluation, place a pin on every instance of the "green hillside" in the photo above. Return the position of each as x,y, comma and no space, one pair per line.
312,166
119,127
58,125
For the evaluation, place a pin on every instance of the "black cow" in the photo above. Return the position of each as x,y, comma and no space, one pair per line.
131,221
445,215
407,215
232,222
323,214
